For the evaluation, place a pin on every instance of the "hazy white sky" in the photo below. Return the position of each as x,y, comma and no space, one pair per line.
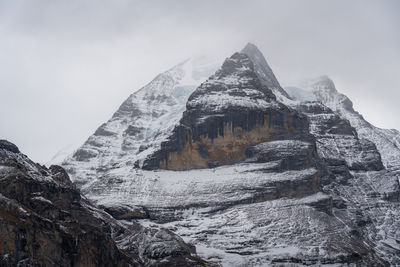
66,66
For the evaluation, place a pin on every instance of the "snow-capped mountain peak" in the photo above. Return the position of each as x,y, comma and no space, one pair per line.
263,70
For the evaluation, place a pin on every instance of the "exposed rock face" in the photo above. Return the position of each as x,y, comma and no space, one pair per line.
4,144
228,113
44,221
60,175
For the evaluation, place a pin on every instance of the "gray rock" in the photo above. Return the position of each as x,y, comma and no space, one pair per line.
4,144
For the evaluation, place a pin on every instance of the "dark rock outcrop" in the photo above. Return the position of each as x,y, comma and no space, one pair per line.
4,144
126,212
60,175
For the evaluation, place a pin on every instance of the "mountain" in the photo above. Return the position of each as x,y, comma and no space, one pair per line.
264,71
249,174
45,221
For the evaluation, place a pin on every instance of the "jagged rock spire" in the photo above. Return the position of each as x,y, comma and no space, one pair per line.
262,69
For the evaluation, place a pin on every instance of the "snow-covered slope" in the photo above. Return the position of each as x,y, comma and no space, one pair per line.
240,215
142,122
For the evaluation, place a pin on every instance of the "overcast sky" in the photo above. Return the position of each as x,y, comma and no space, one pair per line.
66,66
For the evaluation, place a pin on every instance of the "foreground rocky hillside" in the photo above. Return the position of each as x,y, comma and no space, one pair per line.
249,173
45,221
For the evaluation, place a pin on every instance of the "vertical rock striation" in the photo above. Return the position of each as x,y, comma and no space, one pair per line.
224,116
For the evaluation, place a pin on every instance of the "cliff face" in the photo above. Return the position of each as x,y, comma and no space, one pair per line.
224,116
44,221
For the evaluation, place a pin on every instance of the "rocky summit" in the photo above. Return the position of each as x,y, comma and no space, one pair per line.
213,166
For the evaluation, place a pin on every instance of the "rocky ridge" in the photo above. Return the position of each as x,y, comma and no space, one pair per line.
45,221
264,71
